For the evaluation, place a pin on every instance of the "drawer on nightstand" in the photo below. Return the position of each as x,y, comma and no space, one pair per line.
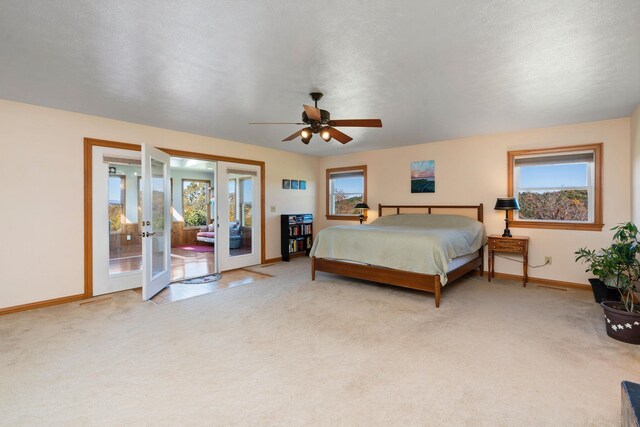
506,245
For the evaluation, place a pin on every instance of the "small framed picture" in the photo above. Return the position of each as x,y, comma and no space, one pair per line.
303,185
286,184
294,184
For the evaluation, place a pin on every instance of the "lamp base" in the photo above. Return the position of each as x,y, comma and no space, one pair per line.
507,232
361,218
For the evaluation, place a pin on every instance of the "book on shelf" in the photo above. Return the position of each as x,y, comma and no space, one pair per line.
296,234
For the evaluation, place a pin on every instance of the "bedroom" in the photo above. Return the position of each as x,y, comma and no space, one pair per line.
446,95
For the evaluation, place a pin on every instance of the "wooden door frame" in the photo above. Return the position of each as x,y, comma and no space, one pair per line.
89,143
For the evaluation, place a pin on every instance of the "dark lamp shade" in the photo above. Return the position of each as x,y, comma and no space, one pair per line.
507,204
361,206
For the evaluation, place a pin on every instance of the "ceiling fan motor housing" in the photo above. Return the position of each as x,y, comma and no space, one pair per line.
316,125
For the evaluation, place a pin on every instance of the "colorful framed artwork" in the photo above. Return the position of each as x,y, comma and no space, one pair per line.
303,185
286,184
423,178
294,184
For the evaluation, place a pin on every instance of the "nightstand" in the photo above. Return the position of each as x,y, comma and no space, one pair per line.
515,244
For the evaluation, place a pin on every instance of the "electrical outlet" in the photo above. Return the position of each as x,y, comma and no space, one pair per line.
547,260
128,236
273,208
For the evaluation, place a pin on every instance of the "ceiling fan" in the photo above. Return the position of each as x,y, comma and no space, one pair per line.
319,121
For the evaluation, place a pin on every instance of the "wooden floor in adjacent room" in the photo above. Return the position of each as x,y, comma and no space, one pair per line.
184,263
180,291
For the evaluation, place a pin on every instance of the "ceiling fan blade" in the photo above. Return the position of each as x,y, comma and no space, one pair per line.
362,123
275,123
313,113
337,135
294,136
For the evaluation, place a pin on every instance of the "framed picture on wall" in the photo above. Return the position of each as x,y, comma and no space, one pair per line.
423,177
294,184
303,185
286,184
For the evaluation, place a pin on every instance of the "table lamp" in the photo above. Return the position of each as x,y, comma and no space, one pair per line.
362,206
507,204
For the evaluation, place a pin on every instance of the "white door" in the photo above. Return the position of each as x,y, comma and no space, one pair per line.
117,249
156,221
239,213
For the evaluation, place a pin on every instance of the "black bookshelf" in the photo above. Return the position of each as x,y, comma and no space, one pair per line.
296,235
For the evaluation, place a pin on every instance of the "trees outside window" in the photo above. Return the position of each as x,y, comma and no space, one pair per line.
345,188
117,203
557,187
195,203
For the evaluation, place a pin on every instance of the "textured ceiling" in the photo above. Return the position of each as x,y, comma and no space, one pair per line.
431,70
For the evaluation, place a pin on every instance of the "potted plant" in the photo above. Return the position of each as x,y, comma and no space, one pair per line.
618,266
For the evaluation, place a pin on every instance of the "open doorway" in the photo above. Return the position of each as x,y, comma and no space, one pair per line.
193,218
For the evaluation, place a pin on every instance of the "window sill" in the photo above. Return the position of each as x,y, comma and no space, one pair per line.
556,225
345,217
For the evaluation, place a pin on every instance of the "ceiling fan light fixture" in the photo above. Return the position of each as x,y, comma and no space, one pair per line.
306,140
325,134
306,134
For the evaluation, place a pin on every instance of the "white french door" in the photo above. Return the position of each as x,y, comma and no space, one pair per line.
239,213
131,229
116,251
156,221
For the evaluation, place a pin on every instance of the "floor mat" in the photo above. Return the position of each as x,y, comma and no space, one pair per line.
204,279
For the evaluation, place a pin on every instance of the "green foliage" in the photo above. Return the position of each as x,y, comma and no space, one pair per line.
194,204
344,205
232,206
157,210
115,217
563,205
619,264
247,213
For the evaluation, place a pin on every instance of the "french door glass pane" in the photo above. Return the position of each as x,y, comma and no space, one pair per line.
158,194
240,214
125,246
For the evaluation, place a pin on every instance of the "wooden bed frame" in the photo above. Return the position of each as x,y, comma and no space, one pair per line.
405,279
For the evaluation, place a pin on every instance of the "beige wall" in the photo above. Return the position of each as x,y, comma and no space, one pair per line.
635,166
474,170
41,255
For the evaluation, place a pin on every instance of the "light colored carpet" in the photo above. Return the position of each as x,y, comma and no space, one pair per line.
288,351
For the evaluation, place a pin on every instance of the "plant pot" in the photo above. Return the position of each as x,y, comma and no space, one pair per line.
621,325
602,292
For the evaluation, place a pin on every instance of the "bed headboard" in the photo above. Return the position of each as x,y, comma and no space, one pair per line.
466,210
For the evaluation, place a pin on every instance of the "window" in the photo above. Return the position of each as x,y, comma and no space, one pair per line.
140,199
195,203
117,203
557,187
346,187
233,197
246,185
